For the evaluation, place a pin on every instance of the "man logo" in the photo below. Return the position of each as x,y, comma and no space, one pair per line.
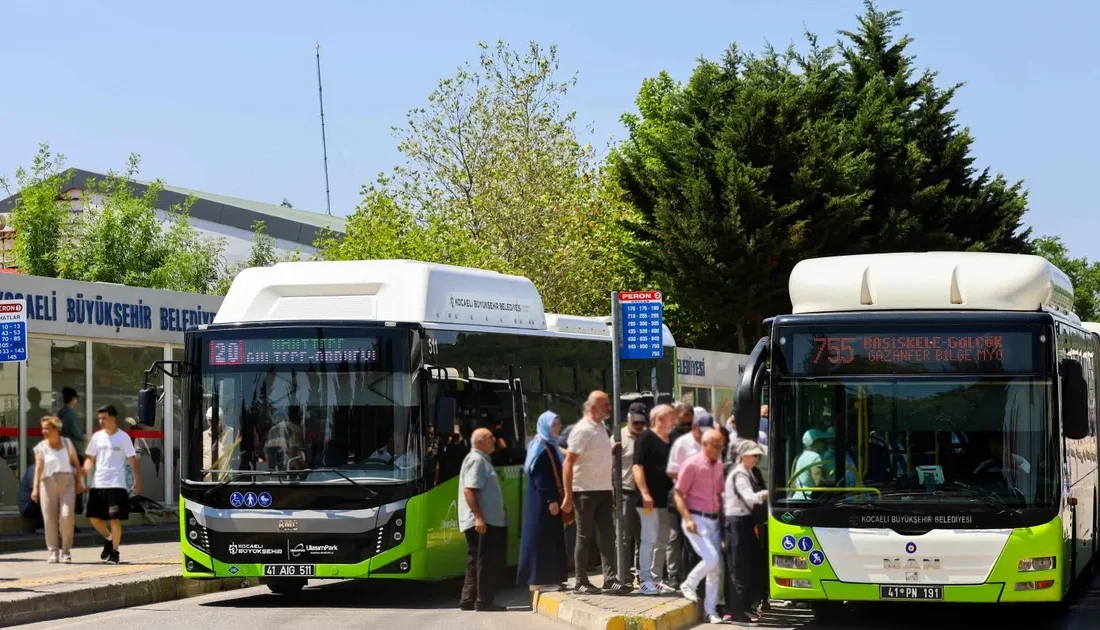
911,564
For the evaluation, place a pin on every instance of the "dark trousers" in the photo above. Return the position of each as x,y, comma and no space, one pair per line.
485,558
674,553
745,565
595,519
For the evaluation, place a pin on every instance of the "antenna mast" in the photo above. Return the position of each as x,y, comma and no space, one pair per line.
324,143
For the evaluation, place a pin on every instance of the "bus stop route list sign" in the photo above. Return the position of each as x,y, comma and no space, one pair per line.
13,331
642,317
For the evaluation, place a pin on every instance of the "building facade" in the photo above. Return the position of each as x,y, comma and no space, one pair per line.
709,379
98,339
215,216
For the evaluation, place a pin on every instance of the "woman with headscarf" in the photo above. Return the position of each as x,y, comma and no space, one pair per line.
542,556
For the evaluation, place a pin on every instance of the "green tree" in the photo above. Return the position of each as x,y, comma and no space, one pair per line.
120,238
263,253
495,177
760,161
1084,274
40,216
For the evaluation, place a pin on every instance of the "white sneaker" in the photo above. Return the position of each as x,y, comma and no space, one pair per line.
67,557
665,589
53,558
713,618
689,594
649,588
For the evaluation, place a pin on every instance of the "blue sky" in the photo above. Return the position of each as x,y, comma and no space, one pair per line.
222,96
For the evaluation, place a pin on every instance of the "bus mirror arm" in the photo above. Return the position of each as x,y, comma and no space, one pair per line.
749,390
147,396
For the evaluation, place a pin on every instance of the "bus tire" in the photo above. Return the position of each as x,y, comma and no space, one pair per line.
286,586
825,611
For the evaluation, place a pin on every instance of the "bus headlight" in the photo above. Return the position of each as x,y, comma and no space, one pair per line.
789,562
1045,563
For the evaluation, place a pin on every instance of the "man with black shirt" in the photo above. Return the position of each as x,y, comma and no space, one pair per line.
650,462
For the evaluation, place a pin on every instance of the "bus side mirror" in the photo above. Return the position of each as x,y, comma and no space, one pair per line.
749,390
444,416
1075,401
147,406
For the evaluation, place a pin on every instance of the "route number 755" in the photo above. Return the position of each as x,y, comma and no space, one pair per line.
839,348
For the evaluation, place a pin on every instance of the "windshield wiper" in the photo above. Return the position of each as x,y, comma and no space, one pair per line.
370,491
983,493
233,476
874,507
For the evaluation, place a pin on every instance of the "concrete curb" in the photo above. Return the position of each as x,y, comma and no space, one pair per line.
564,609
110,596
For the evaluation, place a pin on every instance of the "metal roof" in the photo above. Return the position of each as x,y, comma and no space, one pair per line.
290,224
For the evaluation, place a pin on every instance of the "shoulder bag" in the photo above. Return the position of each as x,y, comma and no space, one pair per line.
567,518
759,511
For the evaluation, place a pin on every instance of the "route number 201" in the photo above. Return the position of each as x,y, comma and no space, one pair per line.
839,349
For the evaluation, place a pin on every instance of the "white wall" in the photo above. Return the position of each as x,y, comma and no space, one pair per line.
238,242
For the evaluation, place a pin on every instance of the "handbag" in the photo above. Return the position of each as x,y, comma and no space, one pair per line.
78,506
567,518
759,511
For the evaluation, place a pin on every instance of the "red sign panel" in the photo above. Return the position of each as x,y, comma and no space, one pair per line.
640,296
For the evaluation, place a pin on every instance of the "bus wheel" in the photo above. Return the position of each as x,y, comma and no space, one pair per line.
286,586
827,611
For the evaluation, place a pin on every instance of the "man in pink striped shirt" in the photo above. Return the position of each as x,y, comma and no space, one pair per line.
698,499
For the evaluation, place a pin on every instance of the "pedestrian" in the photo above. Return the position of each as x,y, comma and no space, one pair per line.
481,518
55,486
745,507
109,450
542,555
637,423
650,463
698,499
71,426
685,416
588,490
682,449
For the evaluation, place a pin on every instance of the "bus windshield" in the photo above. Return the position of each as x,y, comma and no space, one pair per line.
308,401
959,418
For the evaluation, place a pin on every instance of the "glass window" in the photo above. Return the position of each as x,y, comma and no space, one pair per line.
52,365
310,399
9,435
936,442
178,421
118,373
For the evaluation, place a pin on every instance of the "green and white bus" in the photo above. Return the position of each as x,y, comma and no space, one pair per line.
328,407
932,431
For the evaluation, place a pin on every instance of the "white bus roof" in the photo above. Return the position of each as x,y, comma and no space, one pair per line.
1092,327
398,291
599,326
930,281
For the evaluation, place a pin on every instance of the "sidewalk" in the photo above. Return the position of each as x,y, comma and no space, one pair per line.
32,590
16,535
641,612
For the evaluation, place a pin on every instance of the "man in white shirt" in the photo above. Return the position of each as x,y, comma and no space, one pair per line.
586,477
109,499
226,441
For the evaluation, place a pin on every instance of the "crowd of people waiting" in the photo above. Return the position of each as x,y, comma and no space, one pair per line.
685,478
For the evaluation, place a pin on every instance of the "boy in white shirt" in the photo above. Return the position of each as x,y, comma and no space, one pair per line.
109,498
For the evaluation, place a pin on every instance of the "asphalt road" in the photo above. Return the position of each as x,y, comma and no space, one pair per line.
393,606
403,606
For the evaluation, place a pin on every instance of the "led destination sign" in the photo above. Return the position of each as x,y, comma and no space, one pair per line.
293,350
852,350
